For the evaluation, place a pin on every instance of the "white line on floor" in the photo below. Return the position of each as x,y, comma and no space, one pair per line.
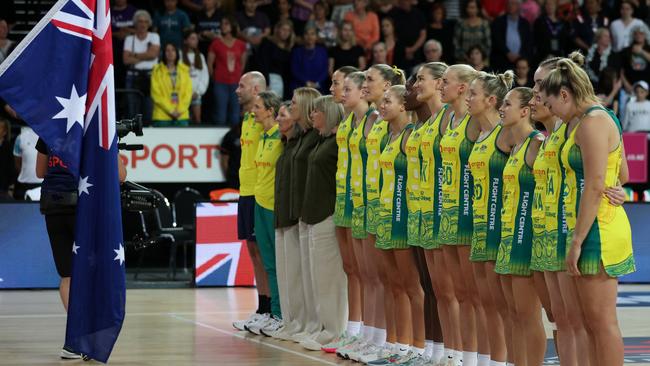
230,333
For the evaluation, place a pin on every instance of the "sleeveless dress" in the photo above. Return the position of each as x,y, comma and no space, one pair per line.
343,205
413,188
358,156
430,196
610,238
457,186
393,210
375,143
486,163
549,223
516,245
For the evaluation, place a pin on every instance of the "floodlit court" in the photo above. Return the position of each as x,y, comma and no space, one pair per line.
193,327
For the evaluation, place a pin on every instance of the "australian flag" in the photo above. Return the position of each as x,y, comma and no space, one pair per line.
60,81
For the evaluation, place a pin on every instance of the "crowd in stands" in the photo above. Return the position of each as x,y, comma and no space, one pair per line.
300,43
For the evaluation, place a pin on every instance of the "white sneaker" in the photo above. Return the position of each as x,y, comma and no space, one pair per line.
273,325
357,346
311,345
356,354
407,358
241,324
299,337
341,341
69,355
257,326
382,353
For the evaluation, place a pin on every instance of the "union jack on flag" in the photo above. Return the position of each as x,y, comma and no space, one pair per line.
221,258
60,81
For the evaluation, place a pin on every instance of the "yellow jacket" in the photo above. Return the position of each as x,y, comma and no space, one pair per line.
162,88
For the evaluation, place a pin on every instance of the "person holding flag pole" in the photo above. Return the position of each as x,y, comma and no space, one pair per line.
59,79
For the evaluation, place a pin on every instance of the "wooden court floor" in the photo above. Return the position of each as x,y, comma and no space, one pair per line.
192,327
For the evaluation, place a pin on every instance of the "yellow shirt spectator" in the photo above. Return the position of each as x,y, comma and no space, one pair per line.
171,92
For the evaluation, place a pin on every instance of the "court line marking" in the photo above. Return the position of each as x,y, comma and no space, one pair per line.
128,314
233,334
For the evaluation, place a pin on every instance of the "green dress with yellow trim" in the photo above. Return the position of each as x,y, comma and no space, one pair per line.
549,222
375,143
393,210
343,205
486,163
516,219
431,181
609,240
358,157
413,188
456,218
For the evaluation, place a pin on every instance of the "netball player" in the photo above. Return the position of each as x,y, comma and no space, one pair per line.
421,114
487,160
513,259
392,232
382,325
599,234
353,102
429,80
455,232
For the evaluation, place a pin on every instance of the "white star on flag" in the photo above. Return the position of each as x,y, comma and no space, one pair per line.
73,110
120,254
84,184
75,247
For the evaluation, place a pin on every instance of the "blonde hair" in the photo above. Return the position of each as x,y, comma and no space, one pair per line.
357,77
551,62
305,102
525,95
497,84
464,73
333,111
393,75
435,69
399,91
570,76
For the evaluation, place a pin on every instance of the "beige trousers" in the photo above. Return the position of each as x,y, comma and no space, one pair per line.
329,282
287,257
313,326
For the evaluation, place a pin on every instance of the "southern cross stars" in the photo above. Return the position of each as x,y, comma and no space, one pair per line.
73,110
84,184
119,254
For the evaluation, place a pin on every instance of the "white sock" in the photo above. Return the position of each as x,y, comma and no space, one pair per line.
497,363
483,360
354,328
428,348
379,337
510,364
402,349
368,332
419,351
438,352
390,347
458,355
553,325
470,358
